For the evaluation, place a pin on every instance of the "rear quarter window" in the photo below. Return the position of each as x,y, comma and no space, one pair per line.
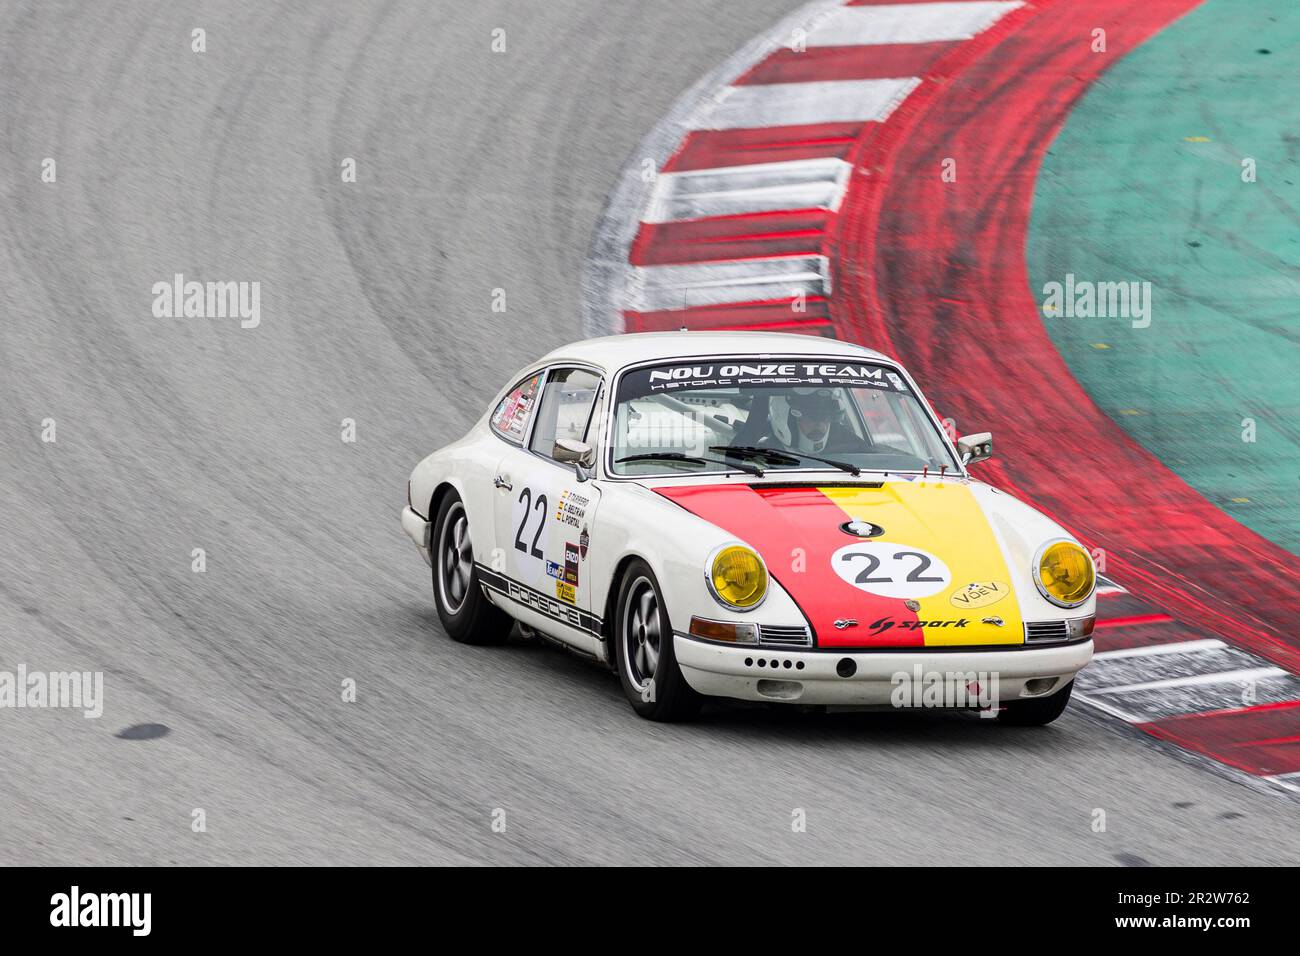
510,419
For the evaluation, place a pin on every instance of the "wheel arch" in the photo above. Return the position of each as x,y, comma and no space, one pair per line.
440,491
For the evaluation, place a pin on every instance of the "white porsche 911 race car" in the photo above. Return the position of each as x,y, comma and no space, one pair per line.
753,516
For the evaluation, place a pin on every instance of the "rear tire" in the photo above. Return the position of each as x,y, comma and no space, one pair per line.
465,611
643,650
1036,711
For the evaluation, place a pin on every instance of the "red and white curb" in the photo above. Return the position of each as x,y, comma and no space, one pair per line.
750,165
722,220
722,217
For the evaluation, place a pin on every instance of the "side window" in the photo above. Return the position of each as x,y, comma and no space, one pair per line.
884,427
565,408
510,420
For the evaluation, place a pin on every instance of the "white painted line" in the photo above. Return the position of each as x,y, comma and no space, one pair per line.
665,288
1190,680
1107,708
794,104
735,190
1209,644
907,23
1288,781
1106,586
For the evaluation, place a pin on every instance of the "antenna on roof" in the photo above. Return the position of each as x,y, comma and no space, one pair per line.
683,329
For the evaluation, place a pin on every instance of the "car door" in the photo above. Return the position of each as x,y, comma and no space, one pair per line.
544,513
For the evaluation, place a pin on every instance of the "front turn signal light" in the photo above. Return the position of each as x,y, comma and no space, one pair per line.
726,631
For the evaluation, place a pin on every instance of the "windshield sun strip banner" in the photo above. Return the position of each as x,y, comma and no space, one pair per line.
752,373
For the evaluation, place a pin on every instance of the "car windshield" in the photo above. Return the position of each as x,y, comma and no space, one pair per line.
773,414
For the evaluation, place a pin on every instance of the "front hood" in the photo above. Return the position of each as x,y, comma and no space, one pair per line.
929,572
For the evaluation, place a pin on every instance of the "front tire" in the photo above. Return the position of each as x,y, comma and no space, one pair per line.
643,650
1036,711
466,614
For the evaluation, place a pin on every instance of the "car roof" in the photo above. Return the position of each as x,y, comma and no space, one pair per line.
615,351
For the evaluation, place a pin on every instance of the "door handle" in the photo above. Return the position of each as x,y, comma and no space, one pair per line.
501,482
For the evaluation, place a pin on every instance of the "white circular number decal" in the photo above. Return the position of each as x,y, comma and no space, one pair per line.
891,570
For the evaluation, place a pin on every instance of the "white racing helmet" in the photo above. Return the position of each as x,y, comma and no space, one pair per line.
816,405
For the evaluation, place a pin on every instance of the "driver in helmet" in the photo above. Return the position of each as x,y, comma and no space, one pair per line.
812,422
811,417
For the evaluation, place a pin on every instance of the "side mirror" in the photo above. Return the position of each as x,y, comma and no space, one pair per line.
578,452
975,448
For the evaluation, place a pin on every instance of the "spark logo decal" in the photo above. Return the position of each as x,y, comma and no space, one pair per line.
885,623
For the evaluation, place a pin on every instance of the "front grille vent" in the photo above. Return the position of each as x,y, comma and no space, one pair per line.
1046,632
784,636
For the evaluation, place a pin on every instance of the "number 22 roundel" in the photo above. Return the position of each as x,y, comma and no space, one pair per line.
528,526
891,570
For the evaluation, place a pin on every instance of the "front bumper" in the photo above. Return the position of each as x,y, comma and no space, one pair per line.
877,678
418,530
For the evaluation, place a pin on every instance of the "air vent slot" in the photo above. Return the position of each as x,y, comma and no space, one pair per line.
779,636
1046,632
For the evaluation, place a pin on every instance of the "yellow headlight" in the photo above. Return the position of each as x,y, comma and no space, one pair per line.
1065,574
738,577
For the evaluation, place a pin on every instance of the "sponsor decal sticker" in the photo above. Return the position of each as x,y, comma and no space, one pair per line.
566,592
979,594
571,564
881,625
544,604
511,416
584,539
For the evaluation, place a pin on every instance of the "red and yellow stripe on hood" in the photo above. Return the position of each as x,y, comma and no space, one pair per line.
934,575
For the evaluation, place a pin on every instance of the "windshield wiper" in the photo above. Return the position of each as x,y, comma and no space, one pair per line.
779,454
697,459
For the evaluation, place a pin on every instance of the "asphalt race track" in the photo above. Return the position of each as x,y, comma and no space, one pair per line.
476,171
